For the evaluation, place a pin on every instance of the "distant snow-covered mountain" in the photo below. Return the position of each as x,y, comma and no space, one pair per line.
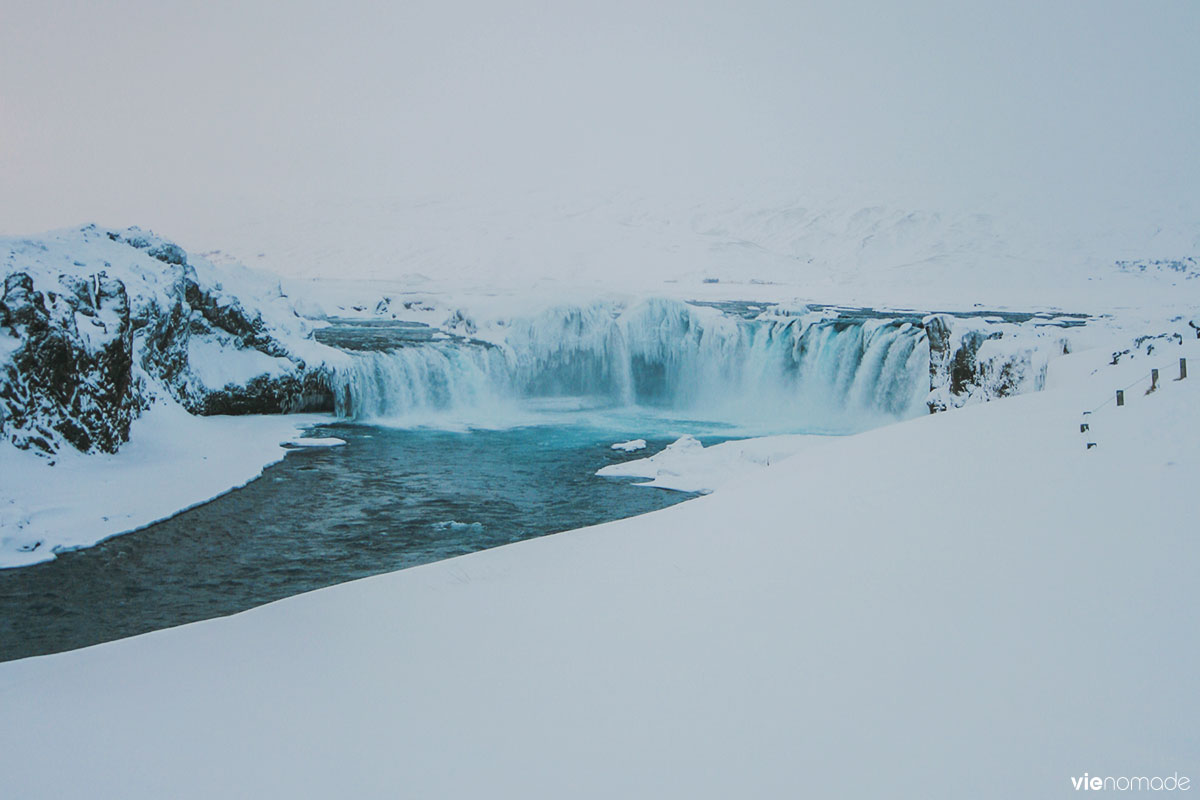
843,250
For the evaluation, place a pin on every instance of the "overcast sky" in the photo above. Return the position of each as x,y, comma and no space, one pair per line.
184,115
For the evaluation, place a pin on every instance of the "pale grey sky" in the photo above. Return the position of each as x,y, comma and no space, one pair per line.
191,115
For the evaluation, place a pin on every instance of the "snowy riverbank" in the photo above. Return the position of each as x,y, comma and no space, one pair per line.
173,461
970,603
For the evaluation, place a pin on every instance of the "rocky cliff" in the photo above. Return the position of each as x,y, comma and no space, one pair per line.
96,324
973,360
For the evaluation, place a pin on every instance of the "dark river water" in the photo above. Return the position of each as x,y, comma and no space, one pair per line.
387,500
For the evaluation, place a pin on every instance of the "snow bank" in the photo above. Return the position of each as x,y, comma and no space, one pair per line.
172,462
688,466
966,604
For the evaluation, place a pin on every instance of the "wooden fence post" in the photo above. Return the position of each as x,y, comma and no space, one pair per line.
1120,397
1153,381
1182,368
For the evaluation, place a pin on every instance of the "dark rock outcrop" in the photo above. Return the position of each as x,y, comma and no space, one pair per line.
289,394
194,312
64,383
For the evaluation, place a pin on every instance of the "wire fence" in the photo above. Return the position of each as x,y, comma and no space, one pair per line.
1119,394
1113,395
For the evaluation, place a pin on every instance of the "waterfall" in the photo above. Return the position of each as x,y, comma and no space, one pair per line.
432,377
801,372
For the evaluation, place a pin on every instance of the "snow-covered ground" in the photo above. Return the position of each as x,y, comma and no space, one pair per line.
173,461
967,604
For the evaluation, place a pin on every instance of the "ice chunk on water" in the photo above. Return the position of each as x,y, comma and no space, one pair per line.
631,445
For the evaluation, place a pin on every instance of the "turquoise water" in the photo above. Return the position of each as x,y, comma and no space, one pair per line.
389,499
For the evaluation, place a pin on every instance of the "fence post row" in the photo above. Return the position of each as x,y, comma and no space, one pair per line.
1084,427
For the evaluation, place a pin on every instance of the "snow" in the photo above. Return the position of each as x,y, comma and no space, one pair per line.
970,603
631,446
87,250
327,441
218,365
686,465
173,461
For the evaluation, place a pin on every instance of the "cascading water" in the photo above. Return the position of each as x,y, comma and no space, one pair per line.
421,378
811,372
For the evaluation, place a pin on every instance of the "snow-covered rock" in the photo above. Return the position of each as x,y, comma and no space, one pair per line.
68,375
95,325
970,362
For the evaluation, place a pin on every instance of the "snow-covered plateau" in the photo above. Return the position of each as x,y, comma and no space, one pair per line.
873,599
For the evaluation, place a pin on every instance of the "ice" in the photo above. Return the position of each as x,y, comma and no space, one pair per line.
326,441
630,446
458,527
